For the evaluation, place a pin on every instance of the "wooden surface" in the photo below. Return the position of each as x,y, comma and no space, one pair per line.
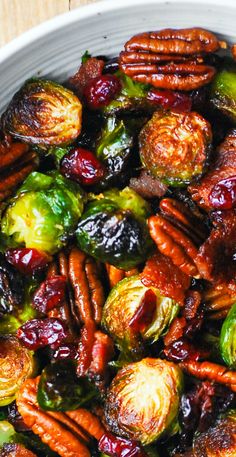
17,16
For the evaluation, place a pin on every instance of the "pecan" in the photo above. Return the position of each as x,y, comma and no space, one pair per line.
16,162
115,274
66,433
175,331
170,59
210,371
87,286
218,301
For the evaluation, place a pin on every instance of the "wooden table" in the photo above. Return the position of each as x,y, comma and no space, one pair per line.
17,16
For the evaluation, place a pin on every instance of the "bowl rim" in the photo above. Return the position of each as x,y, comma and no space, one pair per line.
83,12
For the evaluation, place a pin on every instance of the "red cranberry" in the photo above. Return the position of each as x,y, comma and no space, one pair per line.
66,351
169,99
50,294
223,194
119,447
144,314
82,166
38,333
27,260
182,350
101,91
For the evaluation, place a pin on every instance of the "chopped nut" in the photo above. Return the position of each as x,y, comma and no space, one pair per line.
210,371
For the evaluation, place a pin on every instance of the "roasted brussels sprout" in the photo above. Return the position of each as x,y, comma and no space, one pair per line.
126,301
43,113
7,433
11,287
16,364
143,400
223,92
133,96
175,146
113,228
228,338
113,148
60,389
219,440
44,212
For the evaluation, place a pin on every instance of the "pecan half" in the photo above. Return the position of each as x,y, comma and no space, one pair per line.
115,274
218,300
16,162
66,433
170,59
210,371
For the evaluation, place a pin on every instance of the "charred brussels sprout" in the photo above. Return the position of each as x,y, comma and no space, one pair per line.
143,400
128,301
114,146
175,146
11,288
61,390
44,212
219,440
43,113
113,228
16,365
223,93
133,96
228,338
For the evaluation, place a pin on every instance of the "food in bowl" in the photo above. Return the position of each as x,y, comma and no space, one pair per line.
118,245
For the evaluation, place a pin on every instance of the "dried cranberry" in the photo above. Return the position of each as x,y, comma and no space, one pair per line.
82,166
101,90
223,194
66,351
194,325
50,294
182,350
27,260
37,333
143,316
16,419
169,99
119,447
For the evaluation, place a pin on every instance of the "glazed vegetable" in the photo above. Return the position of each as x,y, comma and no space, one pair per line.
228,339
175,146
7,433
219,440
133,313
11,287
223,92
113,228
114,146
60,389
43,113
44,212
143,400
16,365
131,97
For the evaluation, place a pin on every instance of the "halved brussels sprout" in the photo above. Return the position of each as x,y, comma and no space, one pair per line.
124,303
219,440
11,287
228,338
113,148
60,389
7,433
143,400
44,212
223,92
16,365
113,228
43,113
175,146
133,96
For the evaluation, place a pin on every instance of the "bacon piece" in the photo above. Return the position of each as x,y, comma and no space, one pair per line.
160,272
147,186
89,70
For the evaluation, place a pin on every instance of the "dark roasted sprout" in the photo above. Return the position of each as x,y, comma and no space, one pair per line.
113,228
117,255
43,113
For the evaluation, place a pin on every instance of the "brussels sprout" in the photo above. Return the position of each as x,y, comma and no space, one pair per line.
131,97
219,440
175,146
123,303
113,148
11,287
16,365
7,432
223,92
44,212
110,230
43,113
60,389
143,400
228,338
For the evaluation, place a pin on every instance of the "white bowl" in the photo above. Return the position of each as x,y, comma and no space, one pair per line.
54,48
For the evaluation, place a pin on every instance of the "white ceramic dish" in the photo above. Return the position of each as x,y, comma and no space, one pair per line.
54,48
